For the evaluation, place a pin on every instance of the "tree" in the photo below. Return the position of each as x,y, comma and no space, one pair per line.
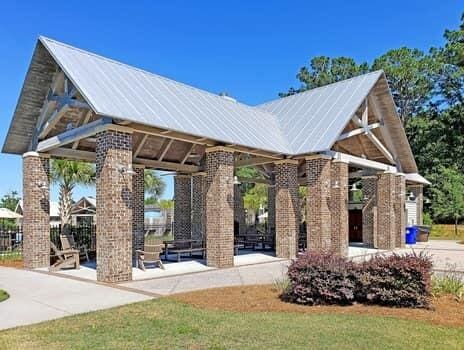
324,70
448,196
10,200
68,174
255,198
154,185
412,76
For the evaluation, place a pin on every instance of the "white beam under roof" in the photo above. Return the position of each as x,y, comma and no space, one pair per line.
73,135
360,162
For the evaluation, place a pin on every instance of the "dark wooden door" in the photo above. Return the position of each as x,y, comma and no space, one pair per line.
355,225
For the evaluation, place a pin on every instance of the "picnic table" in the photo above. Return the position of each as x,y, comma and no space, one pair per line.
259,239
183,246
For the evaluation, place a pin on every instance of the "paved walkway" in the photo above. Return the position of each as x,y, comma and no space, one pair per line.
36,297
264,273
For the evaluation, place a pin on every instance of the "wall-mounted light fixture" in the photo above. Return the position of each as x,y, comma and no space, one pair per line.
354,187
126,170
236,181
335,184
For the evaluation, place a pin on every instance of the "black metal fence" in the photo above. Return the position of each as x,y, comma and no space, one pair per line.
11,237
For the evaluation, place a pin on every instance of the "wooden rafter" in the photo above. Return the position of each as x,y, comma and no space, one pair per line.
187,155
140,145
254,161
86,119
164,149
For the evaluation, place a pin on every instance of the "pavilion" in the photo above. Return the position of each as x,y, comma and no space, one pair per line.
78,105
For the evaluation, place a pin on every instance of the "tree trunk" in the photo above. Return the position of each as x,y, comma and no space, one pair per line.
65,202
455,227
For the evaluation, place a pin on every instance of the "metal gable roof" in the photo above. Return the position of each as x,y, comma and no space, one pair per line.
313,120
117,90
304,123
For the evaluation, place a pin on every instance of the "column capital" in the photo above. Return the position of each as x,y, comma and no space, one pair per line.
220,149
200,173
138,166
36,154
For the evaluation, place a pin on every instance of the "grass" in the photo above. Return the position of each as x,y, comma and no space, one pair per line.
3,295
446,232
449,283
170,324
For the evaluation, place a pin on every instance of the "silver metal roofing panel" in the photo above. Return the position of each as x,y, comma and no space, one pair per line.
121,91
311,121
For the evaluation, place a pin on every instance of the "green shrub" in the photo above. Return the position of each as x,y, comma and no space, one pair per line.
3,295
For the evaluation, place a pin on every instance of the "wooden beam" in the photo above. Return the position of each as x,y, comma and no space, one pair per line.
52,120
164,149
68,153
68,100
73,135
359,131
140,145
187,155
87,117
360,162
171,166
143,129
254,161
255,181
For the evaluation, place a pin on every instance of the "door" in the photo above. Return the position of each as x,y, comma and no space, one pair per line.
355,225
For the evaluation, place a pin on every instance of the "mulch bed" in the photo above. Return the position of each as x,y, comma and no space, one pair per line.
446,310
12,263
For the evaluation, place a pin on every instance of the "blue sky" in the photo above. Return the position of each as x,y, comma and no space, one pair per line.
251,49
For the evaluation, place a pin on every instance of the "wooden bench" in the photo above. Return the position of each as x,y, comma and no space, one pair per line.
181,251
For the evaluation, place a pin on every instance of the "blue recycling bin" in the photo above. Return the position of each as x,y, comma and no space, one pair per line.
411,234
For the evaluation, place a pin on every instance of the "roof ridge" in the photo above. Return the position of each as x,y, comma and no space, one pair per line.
379,71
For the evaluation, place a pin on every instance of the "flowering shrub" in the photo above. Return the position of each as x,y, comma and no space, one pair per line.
395,280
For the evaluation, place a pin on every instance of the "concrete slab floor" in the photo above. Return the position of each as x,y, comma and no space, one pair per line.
172,267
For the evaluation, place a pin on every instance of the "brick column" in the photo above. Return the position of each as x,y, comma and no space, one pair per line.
36,211
198,205
271,205
400,210
114,206
369,211
220,206
386,198
418,191
318,217
182,207
239,210
339,207
287,208
138,208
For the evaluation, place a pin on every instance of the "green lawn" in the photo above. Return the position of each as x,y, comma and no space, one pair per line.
3,295
167,324
446,232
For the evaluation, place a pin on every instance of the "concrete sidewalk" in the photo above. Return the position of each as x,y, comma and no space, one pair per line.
37,297
264,273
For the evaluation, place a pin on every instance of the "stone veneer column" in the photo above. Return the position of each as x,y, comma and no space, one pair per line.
114,206
386,198
220,206
138,208
36,210
400,210
182,207
271,205
318,218
198,205
369,211
239,210
339,207
418,191
287,209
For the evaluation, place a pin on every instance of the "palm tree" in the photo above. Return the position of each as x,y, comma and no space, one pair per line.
67,174
154,185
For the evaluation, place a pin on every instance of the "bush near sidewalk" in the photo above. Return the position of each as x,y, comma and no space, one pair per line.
325,279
